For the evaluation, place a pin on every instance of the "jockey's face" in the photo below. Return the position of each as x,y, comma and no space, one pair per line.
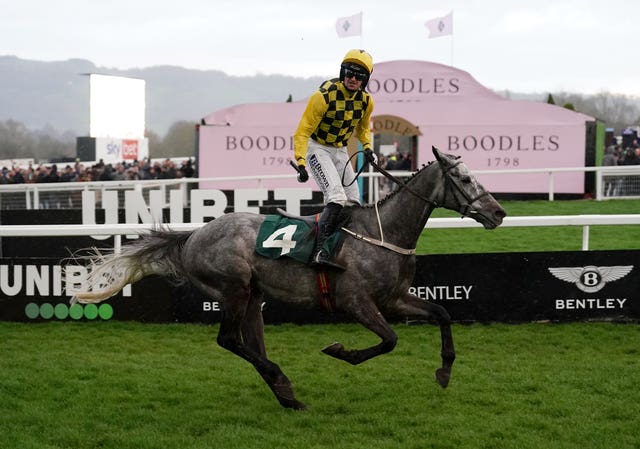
353,80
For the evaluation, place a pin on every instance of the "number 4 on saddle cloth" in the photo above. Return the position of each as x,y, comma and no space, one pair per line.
291,237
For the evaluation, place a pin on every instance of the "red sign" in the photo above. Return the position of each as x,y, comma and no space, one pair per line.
130,149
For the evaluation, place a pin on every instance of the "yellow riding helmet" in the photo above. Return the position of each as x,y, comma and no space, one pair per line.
361,58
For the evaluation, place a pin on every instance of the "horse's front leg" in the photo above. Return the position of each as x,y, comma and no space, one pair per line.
370,317
411,306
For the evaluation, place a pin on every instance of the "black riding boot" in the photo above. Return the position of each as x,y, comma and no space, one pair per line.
326,227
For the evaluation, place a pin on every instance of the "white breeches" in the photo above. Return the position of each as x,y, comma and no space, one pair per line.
327,165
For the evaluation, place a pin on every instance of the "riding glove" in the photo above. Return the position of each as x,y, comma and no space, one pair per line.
369,156
303,176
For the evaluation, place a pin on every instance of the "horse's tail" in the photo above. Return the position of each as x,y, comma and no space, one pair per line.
159,252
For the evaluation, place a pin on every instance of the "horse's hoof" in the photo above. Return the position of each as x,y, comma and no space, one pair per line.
294,405
443,376
333,349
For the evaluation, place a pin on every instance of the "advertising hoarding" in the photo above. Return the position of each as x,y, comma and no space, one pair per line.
500,287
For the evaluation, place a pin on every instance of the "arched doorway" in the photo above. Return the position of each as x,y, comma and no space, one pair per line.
395,140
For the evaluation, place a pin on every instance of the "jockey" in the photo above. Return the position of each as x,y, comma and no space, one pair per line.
334,112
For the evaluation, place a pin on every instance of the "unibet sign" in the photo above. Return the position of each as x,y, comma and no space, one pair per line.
205,203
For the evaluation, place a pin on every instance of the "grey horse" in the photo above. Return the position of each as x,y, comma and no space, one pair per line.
220,260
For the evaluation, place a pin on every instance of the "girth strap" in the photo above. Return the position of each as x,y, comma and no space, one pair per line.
327,302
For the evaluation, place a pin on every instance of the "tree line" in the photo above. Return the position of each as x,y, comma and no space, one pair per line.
48,145
615,110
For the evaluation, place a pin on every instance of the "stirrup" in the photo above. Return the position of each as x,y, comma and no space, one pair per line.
321,260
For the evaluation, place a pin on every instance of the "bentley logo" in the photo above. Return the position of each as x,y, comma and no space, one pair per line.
590,278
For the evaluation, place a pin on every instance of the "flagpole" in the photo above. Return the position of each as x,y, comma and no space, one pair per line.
451,38
451,49
361,30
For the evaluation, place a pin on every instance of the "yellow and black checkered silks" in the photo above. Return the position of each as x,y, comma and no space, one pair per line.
342,116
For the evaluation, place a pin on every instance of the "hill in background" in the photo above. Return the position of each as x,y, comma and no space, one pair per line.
55,95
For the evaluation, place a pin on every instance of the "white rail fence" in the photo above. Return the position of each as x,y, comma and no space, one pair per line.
118,230
611,182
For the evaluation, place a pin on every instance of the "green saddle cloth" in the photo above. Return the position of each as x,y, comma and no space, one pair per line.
287,237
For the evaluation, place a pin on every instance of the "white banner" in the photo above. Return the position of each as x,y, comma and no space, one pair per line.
440,26
349,26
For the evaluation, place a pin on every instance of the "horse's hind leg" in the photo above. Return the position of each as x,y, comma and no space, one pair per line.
239,322
412,306
253,325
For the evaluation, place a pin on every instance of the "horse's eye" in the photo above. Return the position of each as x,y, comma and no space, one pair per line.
465,179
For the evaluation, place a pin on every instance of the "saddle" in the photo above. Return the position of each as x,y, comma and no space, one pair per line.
310,219
293,236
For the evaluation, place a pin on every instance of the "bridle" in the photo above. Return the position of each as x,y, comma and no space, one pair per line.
465,208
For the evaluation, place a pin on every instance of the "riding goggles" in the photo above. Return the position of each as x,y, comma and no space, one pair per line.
348,73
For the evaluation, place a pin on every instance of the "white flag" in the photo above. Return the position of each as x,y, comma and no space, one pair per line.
349,26
440,26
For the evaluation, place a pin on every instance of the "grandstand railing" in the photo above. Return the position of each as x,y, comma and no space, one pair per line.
611,182
67,195
626,179
118,230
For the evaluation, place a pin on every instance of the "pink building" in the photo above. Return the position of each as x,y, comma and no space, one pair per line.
419,104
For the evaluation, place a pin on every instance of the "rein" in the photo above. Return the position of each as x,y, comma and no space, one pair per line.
402,184
466,210
390,177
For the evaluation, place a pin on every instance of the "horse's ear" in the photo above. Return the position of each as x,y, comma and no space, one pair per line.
437,154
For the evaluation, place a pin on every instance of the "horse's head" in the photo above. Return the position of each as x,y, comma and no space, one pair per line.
463,193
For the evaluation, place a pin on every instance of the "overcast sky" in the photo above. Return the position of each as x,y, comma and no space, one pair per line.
583,46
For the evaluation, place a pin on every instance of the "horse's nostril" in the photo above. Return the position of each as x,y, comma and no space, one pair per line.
501,213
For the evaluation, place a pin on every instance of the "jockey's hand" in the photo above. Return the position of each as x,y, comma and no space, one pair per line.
369,156
303,176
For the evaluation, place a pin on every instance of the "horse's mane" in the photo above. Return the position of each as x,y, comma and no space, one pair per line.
347,212
395,192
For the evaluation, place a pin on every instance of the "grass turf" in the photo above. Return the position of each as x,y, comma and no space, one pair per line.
536,239
130,385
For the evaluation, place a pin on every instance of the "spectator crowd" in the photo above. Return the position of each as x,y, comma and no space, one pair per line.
79,172
616,154
397,161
